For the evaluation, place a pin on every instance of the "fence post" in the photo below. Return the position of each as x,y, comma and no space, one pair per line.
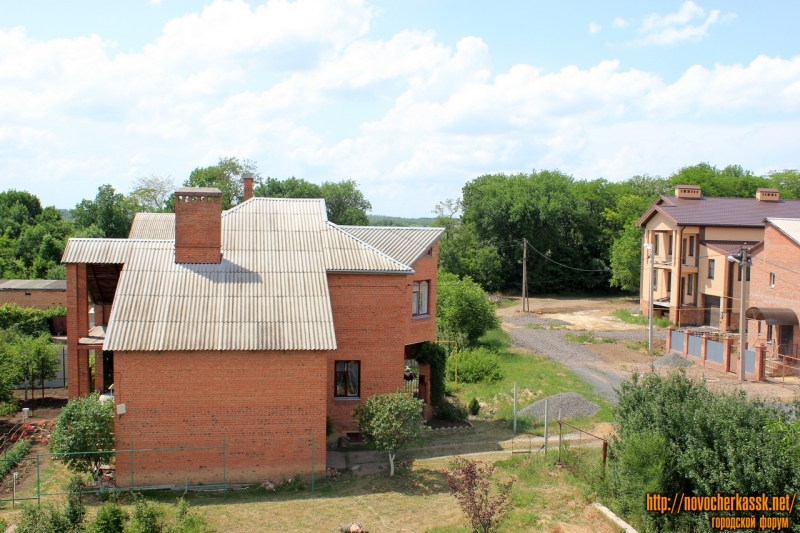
686,344
515,408
559,434
761,353
727,344
546,416
669,339
703,348
38,482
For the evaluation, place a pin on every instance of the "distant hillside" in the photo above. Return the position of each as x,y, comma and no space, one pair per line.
381,220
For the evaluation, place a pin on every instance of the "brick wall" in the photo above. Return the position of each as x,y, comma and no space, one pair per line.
265,404
780,256
424,329
78,377
34,298
198,227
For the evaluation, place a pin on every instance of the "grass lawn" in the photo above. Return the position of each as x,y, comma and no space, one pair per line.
588,337
536,377
641,320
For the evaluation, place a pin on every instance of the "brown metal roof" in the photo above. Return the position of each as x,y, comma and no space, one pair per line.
729,247
32,285
775,316
715,211
270,291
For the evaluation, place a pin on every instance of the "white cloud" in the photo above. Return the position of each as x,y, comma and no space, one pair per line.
303,89
675,27
620,22
594,28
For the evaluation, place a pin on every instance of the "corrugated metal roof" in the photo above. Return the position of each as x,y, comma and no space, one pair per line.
788,226
730,247
32,285
270,291
716,211
406,245
153,226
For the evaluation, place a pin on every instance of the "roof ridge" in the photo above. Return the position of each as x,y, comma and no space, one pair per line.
430,228
392,259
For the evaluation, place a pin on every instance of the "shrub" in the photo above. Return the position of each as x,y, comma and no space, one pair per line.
474,366
146,517
187,522
451,409
10,407
435,356
43,519
389,422
14,455
110,518
28,320
474,407
462,308
86,425
483,502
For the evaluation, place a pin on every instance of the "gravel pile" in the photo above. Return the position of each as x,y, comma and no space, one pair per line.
571,404
672,359
551,344
526,319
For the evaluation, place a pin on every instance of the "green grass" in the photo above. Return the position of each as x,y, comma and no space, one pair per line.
641,320
550,327
588,337
536,379
9,408
507,302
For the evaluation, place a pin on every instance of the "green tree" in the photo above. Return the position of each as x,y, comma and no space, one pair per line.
389,422
86,425
345,203
462,309
151,193
227,176
35,358
787,181
288,188
110,211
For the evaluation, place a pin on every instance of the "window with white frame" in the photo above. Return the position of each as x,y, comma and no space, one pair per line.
419,300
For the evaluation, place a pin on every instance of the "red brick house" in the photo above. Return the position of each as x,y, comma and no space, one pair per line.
774,287
247,327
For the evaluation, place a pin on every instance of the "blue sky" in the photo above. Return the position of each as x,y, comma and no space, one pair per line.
412,99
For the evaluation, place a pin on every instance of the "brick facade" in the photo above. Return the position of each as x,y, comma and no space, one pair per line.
265,405
34,298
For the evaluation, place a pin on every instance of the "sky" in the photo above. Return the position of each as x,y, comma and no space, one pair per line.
412,99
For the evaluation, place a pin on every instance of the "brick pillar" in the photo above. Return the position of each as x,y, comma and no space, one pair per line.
727,347
98,371
669,338
77,327
761,356
686,344
703,347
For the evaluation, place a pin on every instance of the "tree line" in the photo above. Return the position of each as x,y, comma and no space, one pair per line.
581,234
32,237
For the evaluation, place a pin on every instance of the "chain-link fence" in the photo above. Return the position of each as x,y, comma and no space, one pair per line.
581,452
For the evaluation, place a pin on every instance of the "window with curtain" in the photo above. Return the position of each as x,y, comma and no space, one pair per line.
419,300
347,382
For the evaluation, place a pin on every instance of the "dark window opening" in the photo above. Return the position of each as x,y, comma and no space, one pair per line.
419,300
711,267
347,382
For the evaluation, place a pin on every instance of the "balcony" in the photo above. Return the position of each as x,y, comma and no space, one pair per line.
661,260
689,261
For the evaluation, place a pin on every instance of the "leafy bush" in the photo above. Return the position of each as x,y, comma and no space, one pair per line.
483,503
110,518
462,309
44,519
672,434
10,407
86,425
389,422
186,522
474,407
146,517
14,456
28,320
433,355
451,409
474,366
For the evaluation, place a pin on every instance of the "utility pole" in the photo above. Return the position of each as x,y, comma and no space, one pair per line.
652,295
742,319
525,275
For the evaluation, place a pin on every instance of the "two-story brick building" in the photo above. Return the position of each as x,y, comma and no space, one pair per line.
692,236
248,327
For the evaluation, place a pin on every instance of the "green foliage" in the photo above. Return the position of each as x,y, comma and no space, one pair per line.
188,522
288,188
474,407
483,501
345,203
389,422
86,424
626,259
34,358
451,409
146,517
227,176
588,337
110,518
462,309
641,320
74,512
474,365
152,193
13,456
673,434
435,356
110,212
9,407
28,320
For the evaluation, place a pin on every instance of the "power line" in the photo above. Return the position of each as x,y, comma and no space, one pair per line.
567,266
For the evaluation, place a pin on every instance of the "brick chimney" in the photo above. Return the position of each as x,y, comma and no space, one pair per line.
198,225
248,187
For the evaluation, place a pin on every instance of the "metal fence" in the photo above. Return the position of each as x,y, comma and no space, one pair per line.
695,345
714,351
783,369
677,341
584,456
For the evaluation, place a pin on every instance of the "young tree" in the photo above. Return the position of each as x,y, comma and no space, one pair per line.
484,503
152,192
462,309
389,422
86,425
110,211
227,176
288,188
346,204
35,358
